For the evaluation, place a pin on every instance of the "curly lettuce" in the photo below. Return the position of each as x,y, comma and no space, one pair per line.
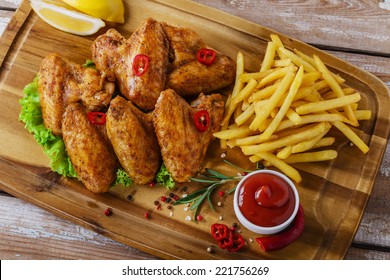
164,178
53,146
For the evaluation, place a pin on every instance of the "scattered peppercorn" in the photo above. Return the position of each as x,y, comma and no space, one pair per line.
147,215
199,218
221,193
163,198
156,202
176,197
129,197
184,189
168,200
210,249
152,184
171,195
108,212
169,207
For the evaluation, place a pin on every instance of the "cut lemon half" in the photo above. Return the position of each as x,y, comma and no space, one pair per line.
109,10
65,19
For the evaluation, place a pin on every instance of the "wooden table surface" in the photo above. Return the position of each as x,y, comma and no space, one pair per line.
356,31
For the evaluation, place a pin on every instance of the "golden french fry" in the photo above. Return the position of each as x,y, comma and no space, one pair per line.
273,101
334,85
281,63
362,114
324,142
268,56
323,105
263,93
249,140
237,132
284,152
293,116
245,92
246,77
286,105
313,118
312,156
351,136
297,60
308,144
278,163
285,141
275,75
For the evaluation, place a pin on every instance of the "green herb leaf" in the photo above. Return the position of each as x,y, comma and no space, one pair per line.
89,64
164,178
122,178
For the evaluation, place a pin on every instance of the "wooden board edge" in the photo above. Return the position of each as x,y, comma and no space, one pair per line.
13,28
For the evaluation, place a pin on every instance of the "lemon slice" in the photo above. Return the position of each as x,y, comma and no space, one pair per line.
65,19
109,10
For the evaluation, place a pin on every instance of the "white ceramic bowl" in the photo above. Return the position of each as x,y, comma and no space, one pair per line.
261,229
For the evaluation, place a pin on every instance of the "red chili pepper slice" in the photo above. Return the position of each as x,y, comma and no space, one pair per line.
97,118
206,56
227,242
219,231
279,241
140,64
202,120
237,244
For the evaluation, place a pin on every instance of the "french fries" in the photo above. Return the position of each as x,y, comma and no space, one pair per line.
282,114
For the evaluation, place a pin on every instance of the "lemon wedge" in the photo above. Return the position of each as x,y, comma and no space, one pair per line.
109,10
68,20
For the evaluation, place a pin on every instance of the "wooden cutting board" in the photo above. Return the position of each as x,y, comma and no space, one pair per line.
333,194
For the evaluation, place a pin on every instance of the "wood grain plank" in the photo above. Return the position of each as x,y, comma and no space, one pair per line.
366,254
11,86
25,229
336,24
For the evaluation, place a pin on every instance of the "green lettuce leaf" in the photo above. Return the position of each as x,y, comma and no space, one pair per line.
122,178
53,146
164,178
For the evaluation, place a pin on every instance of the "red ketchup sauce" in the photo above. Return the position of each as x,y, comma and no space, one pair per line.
266,200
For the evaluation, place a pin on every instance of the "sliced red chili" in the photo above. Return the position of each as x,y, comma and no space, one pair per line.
206,56
202,120
219,231
227,242
97,118
279,241
237,244
140,64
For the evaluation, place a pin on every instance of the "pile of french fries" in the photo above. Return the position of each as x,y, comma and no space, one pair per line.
283,113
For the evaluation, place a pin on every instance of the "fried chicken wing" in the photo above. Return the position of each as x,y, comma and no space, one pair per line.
105,52
91,155
131,133
112,55
194,77
183,147
61,82
184,43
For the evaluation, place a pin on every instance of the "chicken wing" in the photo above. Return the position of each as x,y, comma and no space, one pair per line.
184,43
113,55
61,82
183,147
194,77
92,157
131,133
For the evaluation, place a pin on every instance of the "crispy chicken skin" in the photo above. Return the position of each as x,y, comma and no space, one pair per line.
92,157
113,55
183,147
105,52
131,133
184,43
194,77
61,82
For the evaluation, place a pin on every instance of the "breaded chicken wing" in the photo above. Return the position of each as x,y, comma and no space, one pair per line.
91,155
62,82
183,147
139,81
131,133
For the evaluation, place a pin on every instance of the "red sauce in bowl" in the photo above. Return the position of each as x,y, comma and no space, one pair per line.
266,200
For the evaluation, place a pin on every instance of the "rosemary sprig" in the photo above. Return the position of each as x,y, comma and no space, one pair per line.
214,179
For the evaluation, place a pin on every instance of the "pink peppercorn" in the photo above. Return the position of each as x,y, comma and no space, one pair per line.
221,193
108,212
147,215
199,218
